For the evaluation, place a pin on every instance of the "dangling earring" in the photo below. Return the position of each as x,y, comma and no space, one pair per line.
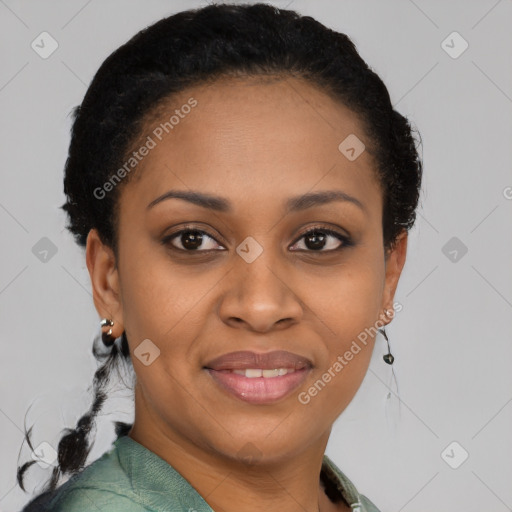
107,337
388,358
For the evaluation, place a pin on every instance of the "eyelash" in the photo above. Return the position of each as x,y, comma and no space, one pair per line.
324,230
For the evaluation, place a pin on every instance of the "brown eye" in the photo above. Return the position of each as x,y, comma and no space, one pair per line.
317,239
191,240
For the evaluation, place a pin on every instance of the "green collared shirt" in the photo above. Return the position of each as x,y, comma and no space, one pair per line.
131,478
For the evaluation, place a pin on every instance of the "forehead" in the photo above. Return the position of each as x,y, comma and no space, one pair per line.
248,138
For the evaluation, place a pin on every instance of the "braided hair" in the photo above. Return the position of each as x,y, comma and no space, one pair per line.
132,87
74,447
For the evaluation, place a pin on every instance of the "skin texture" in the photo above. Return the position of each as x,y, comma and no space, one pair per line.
255,143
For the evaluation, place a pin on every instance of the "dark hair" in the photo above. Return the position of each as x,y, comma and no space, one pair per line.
134,84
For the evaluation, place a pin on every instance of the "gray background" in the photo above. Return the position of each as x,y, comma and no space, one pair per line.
452,339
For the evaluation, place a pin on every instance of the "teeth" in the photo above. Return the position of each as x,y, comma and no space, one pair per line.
258,372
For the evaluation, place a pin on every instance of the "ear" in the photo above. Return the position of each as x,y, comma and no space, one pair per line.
104,275
395,260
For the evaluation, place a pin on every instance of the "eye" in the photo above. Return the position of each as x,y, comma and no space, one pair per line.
317,239
191,240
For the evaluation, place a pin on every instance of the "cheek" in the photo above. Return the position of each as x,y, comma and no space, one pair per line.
167,307
348,300
345,309
160,298
170,306
342,366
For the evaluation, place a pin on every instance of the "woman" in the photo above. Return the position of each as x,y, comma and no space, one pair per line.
244,190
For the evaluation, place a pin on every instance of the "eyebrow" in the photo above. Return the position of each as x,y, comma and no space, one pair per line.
293,204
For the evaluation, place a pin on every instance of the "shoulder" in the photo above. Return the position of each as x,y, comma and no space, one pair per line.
103,485
368,505
83,499
346,488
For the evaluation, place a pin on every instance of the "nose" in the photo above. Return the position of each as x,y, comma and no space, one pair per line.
261,298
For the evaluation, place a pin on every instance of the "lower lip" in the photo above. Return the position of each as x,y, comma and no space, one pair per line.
259,390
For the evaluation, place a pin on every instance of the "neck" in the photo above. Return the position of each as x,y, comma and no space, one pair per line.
273,484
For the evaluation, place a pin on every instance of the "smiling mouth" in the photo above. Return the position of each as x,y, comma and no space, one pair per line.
257,385
252,373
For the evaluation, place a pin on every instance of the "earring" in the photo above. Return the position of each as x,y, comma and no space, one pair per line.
388,358
107,337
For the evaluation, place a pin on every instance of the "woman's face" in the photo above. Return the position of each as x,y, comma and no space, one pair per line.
253,282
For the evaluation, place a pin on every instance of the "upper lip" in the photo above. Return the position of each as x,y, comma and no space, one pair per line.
244,359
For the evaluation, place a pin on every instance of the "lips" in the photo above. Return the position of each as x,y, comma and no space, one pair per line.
245,359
